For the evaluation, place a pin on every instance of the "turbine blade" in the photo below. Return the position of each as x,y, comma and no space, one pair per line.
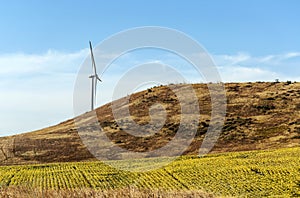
98,78
93,59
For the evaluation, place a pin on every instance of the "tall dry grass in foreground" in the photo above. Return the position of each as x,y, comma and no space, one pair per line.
25,192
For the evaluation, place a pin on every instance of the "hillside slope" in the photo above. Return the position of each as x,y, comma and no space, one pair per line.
259,115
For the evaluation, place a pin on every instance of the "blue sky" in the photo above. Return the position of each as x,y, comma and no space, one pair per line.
257,27
43,43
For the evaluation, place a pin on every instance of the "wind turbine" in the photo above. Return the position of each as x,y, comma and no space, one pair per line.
94,78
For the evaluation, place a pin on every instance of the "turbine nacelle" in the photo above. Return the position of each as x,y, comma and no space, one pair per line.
95,76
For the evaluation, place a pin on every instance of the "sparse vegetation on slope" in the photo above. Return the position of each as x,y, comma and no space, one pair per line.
260,115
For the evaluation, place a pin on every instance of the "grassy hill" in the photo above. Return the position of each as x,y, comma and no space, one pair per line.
261,115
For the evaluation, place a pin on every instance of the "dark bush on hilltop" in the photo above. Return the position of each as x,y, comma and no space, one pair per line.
288,82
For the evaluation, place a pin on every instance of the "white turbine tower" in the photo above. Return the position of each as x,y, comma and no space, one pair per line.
94,78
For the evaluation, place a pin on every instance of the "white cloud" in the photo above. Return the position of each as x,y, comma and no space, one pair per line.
233,59
245,74
291,55
266,59
52,61
244,67
244,58
36,90
276,59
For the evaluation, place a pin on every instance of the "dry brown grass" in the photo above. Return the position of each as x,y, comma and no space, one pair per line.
26,192
262,115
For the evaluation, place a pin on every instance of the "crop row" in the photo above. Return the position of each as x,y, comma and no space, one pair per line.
249,174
